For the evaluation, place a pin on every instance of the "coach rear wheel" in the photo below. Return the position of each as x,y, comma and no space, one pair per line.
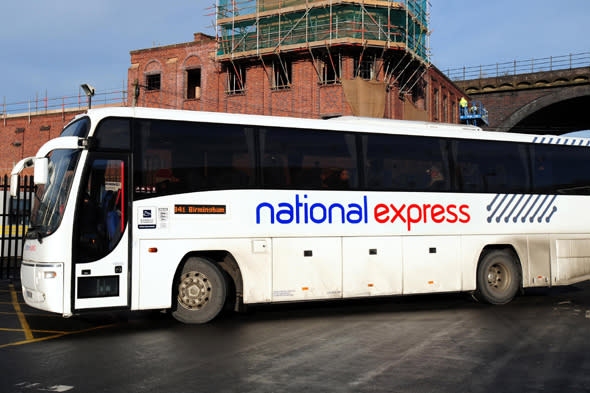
498,277
201,291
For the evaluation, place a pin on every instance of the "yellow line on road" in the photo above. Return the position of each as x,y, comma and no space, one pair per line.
12,302
33,330
30,314
21,318
34,340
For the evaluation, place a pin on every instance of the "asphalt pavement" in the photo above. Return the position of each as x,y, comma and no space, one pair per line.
437,343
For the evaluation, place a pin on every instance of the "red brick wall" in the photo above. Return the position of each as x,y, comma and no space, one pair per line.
438,81
172,62
305,98
31,133
502,104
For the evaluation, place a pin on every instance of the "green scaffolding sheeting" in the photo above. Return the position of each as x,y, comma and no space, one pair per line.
229,8
241,31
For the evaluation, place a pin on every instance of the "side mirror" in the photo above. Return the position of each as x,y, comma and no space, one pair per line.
18,168
41,171
13,185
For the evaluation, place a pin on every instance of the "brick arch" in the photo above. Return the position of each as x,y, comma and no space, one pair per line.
152,66
192,61
542,102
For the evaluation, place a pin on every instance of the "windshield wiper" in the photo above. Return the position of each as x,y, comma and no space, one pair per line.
34,232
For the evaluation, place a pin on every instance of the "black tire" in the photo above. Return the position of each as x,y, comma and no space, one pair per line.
201,291
498,277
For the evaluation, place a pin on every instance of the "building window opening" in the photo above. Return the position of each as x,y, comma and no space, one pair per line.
436,104
282,74
236,79
329,70
418,92
193,84
152,81
365,68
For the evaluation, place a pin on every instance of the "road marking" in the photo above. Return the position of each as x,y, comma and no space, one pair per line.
21,318
30,314
31,341
60,388
34,340
38,387
26,329
33,330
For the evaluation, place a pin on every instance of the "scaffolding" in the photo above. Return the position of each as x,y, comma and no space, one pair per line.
252,28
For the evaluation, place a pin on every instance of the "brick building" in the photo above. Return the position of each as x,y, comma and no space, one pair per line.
316,59
189,76
22,135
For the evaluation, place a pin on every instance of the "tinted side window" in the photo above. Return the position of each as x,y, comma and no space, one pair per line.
494,167
178,157
561,169
308,159
80,128
406,163
113,133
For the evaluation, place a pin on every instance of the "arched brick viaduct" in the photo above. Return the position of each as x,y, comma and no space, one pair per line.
551,102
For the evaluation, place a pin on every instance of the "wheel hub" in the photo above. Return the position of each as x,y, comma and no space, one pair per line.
194,290
498,277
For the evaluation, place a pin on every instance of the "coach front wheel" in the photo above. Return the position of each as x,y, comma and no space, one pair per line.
498,277
201,291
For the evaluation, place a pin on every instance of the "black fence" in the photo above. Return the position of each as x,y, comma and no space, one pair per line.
14,221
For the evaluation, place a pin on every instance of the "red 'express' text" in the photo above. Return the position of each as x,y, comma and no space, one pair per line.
414,214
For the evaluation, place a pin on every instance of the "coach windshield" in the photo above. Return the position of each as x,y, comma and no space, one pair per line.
51,198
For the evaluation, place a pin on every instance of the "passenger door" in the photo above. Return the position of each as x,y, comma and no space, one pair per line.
101,234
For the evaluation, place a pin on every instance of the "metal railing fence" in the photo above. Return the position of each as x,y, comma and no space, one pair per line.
80,101
517,67
14,221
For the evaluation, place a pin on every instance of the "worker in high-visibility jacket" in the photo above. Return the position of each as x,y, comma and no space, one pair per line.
463,105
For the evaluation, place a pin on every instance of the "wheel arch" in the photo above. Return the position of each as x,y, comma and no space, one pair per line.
506,246
227,263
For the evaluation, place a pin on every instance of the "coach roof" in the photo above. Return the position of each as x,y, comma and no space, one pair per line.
348,123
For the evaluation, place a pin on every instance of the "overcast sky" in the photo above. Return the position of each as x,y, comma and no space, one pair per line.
55,46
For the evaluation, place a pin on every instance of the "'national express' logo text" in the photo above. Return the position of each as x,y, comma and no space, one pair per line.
304,211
